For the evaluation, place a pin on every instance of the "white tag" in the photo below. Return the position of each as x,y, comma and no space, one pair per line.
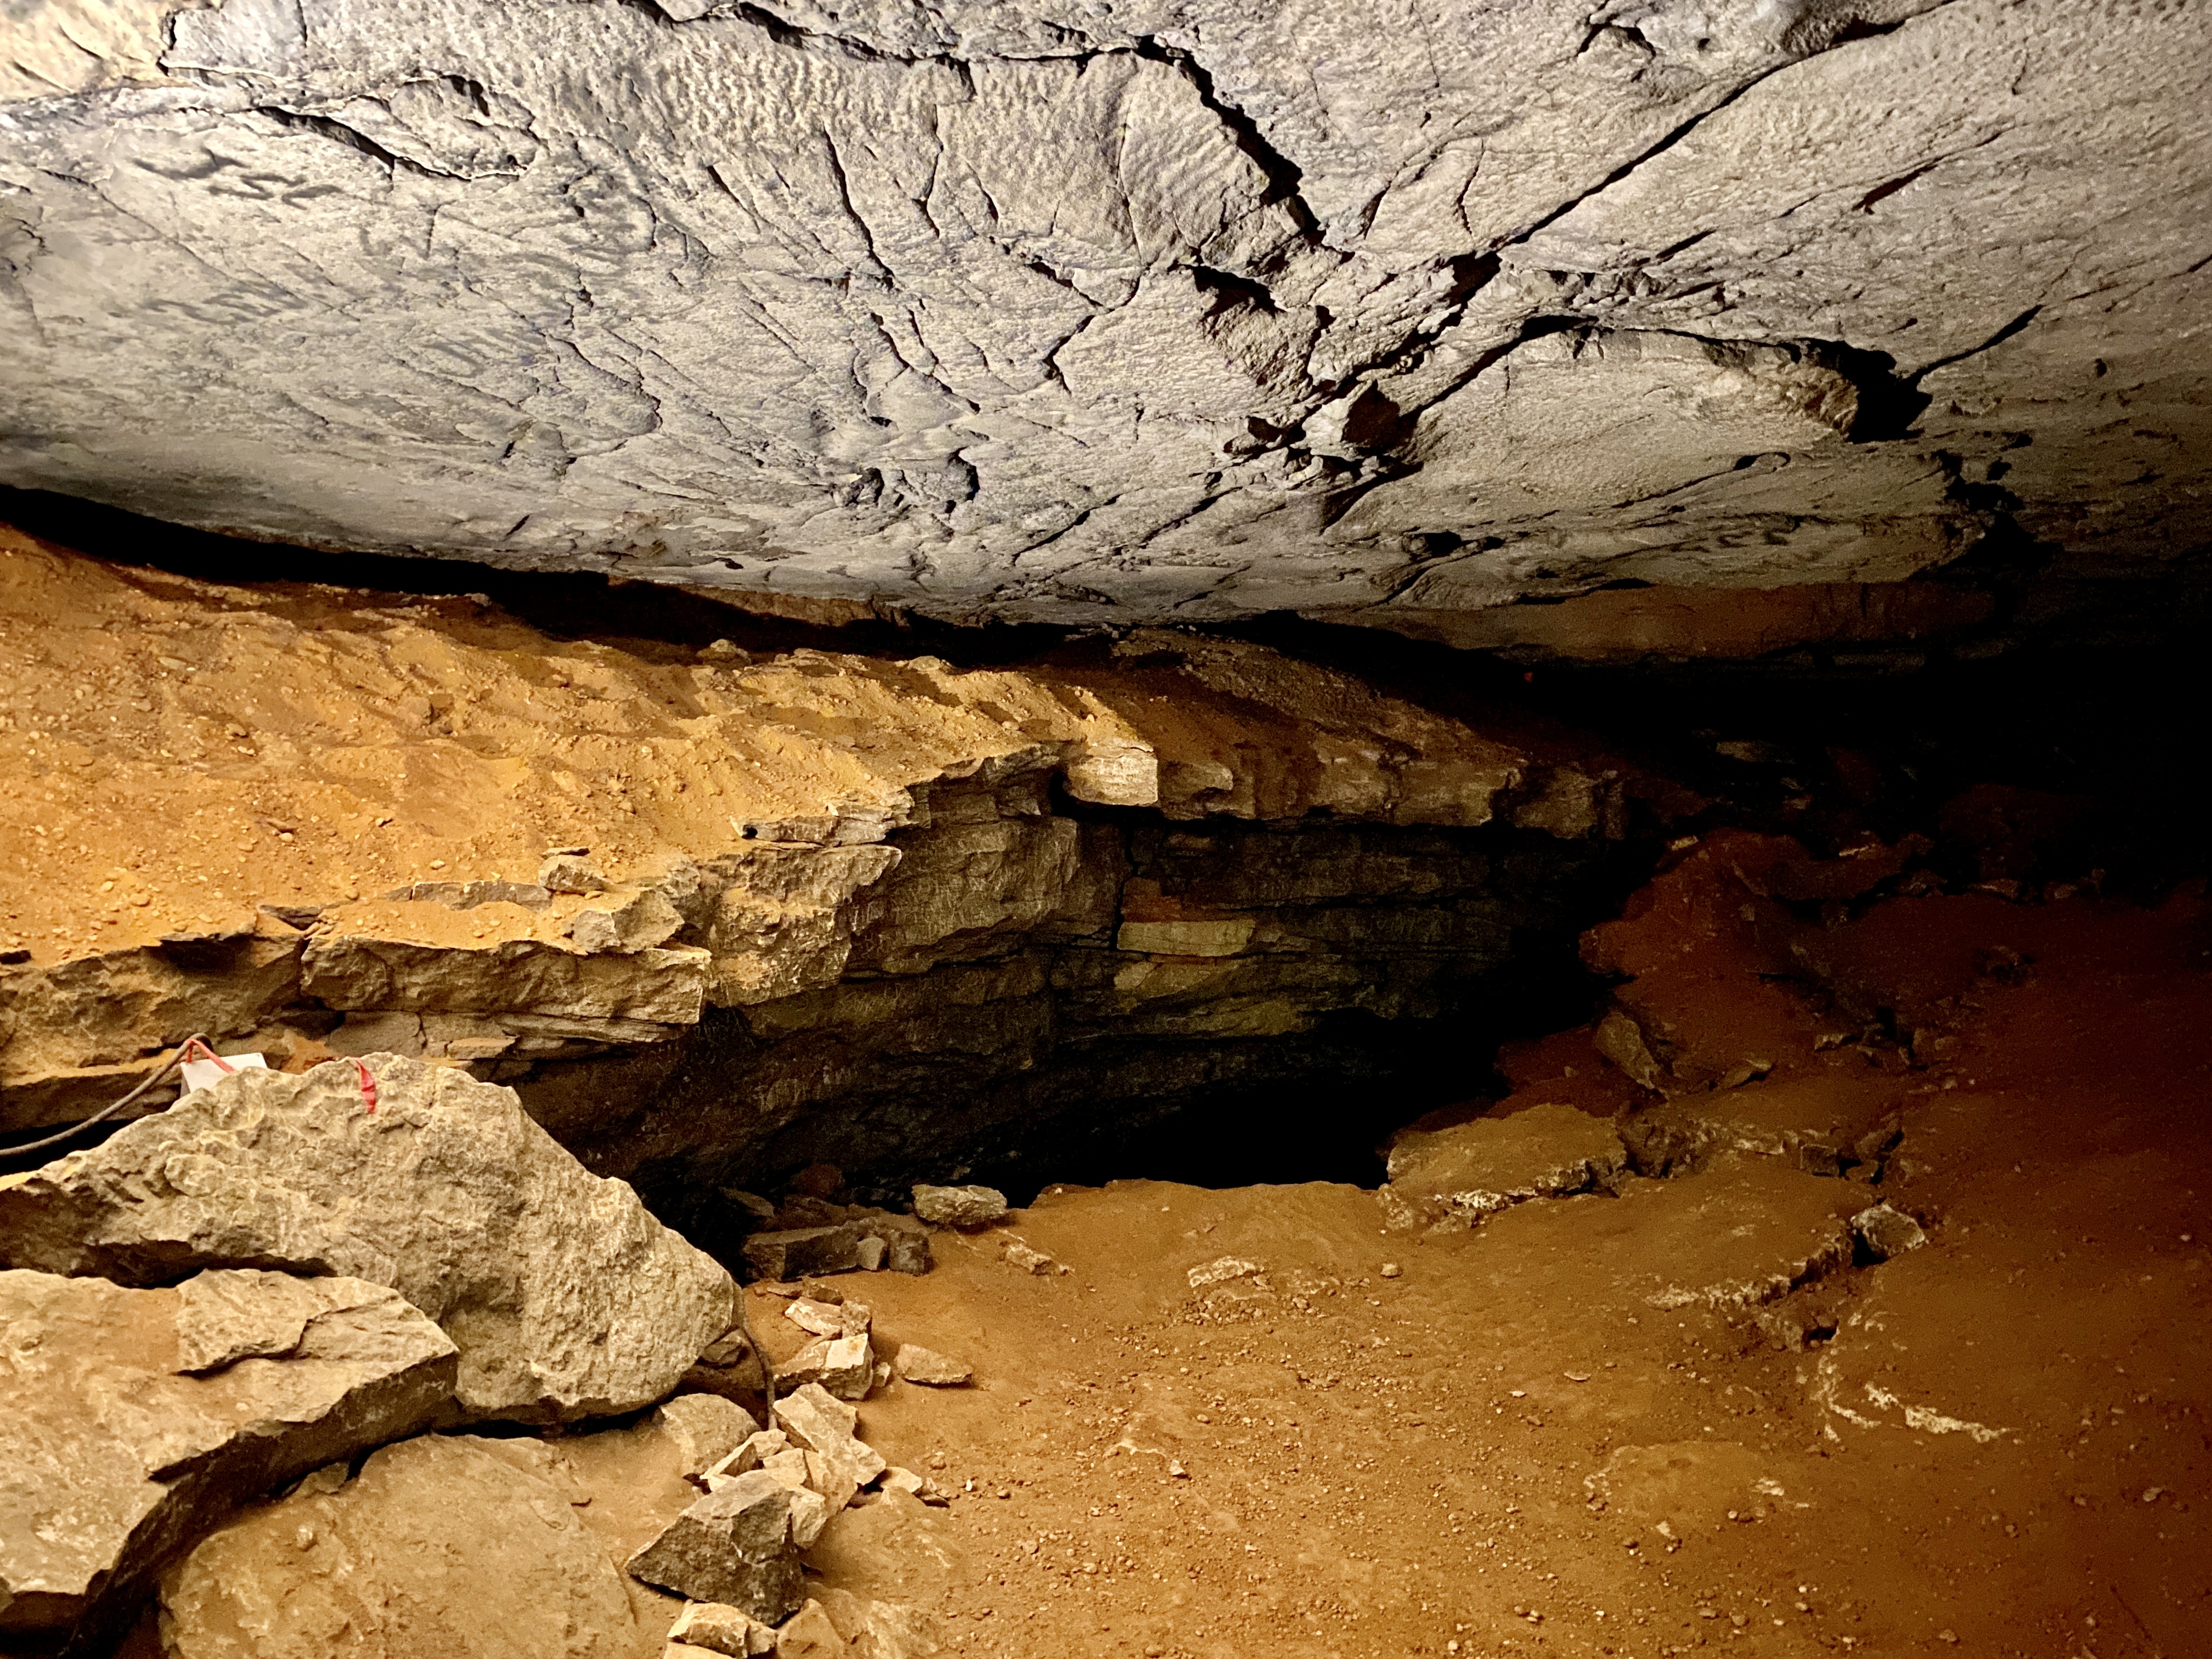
198,1073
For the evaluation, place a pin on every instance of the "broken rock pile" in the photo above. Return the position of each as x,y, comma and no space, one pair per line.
566,1299
282,1273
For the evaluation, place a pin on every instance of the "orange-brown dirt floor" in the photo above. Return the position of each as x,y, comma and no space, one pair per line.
2001,1448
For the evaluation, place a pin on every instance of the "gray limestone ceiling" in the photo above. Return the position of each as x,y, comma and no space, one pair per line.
1088,311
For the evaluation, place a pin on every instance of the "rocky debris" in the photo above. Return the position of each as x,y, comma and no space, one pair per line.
438,1541
570,872
845,1366
754,1452
1020,1253
868,1240
818,1422
1825,1122
705,1428
915,1486
1470,1170
811,1634
1737,1235
913,1363
1708,945
841,1360
720,1628
1887,1232
1221,1271
566,1299
733,1546
959,1207
131,1419
824,1318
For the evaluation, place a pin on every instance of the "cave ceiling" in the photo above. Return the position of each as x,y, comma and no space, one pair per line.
1387,311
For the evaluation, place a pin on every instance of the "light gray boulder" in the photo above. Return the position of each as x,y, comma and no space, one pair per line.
566,1299
132,1420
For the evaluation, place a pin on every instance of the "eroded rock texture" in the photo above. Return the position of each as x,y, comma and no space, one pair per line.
130,1419
1039,310
566,1300
870,910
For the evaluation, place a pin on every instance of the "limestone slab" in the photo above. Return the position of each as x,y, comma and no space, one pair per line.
130,1419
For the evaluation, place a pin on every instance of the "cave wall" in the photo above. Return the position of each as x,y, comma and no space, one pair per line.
718,910
1388,313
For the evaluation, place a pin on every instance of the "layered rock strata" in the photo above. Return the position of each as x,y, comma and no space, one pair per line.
307,822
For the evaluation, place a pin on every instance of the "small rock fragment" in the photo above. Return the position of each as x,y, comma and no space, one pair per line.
927,1366
1887,1232
959,1207
818,1318
809,1635
915,1486
835,1248
831,1482
810,1513
734,1545
1391,1270
567,871
706,1429
1028,1259
821,1423
720,1628
844,1365
749,1456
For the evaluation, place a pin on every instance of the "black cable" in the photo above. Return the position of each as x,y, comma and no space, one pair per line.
106,1112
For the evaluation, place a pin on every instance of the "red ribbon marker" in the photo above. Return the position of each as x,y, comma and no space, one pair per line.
206,1053
368,1085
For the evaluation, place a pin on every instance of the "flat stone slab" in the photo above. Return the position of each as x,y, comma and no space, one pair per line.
440,1545
131,1419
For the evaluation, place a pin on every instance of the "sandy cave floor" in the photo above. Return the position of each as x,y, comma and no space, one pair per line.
1994,1443
2001,1448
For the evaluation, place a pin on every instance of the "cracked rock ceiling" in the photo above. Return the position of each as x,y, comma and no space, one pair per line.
1104,311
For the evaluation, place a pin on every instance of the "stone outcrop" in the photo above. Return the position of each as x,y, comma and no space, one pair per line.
1198,310
1470,1170
350,798
440,1545
132,1420
1134,875
565,1297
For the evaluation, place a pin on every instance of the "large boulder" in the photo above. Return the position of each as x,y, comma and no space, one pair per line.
130,1419
565,1297
440,1545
